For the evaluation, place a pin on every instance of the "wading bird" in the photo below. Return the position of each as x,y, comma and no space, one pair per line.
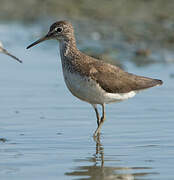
90,79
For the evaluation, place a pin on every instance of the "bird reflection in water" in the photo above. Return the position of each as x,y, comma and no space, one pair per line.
98,171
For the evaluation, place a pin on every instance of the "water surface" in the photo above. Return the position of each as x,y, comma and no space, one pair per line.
48,132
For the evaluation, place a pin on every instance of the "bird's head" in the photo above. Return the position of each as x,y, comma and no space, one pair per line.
61,30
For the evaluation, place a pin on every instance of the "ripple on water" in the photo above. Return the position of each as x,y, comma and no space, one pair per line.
49,132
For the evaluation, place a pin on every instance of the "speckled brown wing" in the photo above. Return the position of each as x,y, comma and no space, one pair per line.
114,80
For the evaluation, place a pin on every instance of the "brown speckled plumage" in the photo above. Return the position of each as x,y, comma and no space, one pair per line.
111,78
93,80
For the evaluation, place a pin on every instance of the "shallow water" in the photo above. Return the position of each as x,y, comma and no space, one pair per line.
48,132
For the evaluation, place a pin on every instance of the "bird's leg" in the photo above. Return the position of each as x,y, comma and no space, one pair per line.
97,132
99,150
97,114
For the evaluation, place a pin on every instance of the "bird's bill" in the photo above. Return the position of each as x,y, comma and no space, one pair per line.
7,53
38,41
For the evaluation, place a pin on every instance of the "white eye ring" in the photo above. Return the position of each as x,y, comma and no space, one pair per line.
59,29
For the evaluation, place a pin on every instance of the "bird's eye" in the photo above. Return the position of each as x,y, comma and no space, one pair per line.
59,29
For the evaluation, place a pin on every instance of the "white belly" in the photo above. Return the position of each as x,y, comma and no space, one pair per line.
88,90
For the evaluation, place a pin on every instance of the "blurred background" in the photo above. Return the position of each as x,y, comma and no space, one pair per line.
45,132
119,29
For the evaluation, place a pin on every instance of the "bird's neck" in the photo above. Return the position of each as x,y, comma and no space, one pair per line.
67,48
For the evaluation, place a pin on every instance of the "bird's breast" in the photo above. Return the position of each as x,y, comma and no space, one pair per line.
83,87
